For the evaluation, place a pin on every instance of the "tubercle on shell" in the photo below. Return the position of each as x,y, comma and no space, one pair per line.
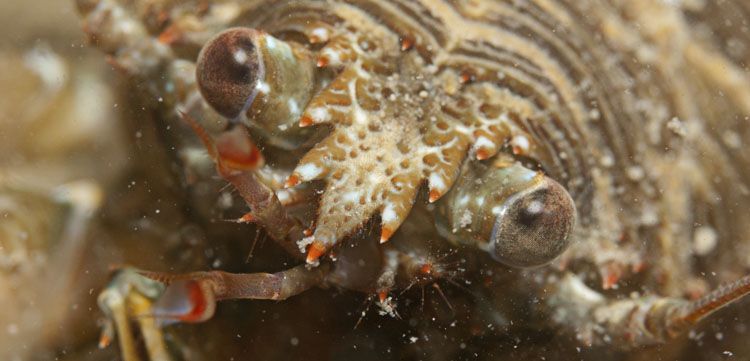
395,125
455,85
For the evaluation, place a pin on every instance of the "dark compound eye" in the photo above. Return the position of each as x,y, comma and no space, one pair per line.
229,69
249,76
534,226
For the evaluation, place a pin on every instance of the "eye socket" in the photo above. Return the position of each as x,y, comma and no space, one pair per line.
534,226
228,70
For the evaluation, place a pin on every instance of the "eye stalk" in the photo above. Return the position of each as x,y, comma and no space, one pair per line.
249,76
522,218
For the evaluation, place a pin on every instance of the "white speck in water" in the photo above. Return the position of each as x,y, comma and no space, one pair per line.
294,341
635,173
649,217
704,240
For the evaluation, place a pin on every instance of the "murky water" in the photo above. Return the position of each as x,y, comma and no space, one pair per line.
97,172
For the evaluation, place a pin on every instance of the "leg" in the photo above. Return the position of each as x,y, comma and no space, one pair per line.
117,30
129,295
237,161
635,322
192,297
123,29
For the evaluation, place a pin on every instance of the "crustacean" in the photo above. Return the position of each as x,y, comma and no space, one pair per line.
51,189
515,134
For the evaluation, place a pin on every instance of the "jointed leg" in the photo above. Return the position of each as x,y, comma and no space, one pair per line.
129,296
142,296
237,160
192,297
634,322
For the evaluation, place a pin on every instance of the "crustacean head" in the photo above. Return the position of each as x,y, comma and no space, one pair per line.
396,124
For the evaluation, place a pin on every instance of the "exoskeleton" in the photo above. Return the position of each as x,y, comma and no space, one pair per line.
567,145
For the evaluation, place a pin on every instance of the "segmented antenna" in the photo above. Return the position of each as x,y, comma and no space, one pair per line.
692,312
202,134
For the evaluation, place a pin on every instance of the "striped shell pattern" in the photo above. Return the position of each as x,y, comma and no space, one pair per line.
629,116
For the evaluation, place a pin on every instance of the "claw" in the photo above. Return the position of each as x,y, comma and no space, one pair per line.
236,159
186,301
238,151
128,297
187,297
232,151
108,333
